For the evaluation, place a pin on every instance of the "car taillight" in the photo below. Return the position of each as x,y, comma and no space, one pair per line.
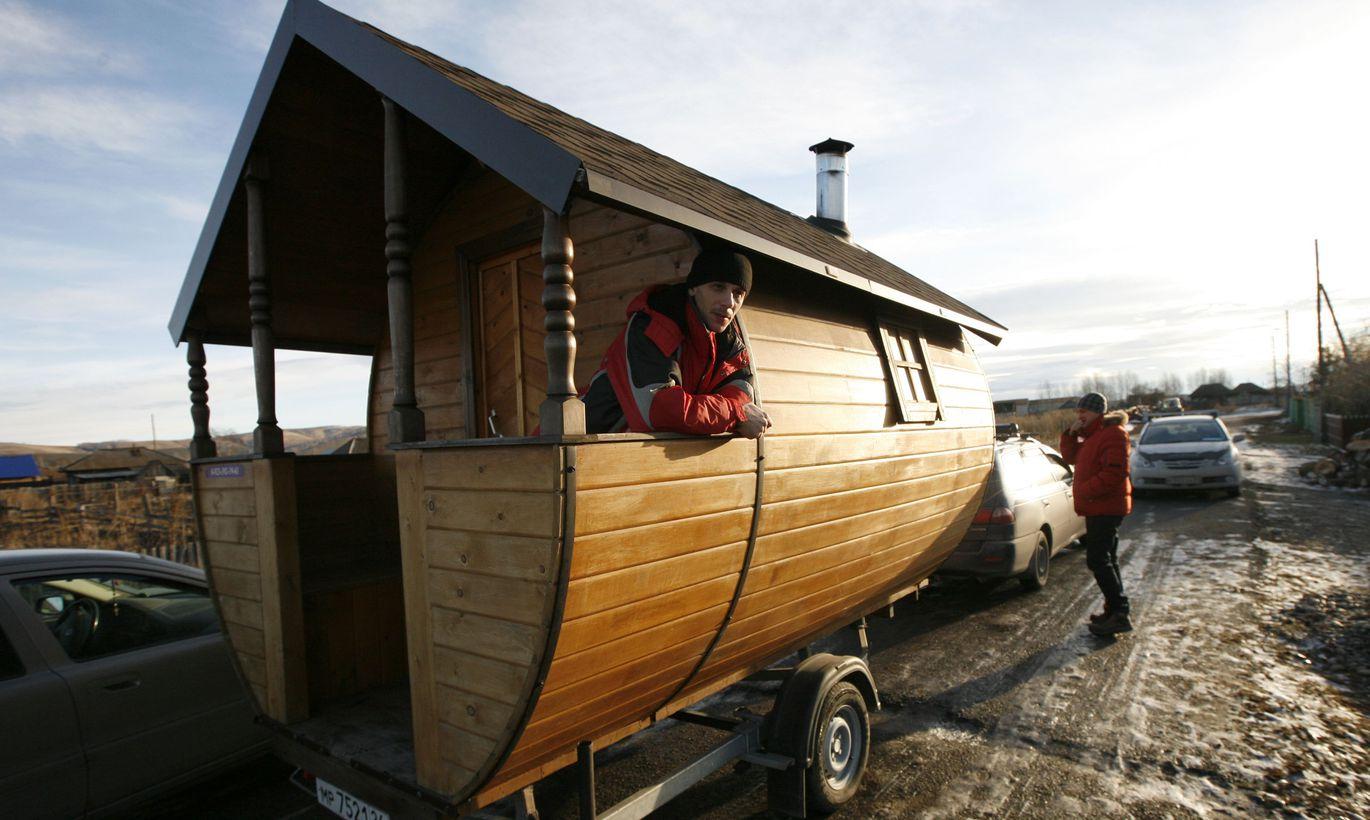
994,515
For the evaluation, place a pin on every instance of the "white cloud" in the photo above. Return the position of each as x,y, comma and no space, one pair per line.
87,119
40,43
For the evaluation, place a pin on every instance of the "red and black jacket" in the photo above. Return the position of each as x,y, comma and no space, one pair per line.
1100,455
666,372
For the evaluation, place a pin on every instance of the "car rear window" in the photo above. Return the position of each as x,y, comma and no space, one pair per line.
1183,432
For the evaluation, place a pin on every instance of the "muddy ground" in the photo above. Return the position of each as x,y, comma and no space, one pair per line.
1243,691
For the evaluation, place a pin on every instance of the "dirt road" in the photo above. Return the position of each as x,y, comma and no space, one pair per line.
1243,690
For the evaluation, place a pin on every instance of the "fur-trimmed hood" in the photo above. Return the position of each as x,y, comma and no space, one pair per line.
1114,417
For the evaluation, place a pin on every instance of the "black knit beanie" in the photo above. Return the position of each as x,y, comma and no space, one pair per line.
1095,402
714,265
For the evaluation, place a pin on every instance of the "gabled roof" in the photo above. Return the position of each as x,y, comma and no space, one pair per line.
1212,390
552,156
1250,387
125,458
25,466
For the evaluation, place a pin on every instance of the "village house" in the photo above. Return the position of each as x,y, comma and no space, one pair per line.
1248,393
1209,396
20,471
125,464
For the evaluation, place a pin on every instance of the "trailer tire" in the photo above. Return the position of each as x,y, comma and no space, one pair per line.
842,740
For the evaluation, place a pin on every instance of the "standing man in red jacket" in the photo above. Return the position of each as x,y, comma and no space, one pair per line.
1098,446
681,364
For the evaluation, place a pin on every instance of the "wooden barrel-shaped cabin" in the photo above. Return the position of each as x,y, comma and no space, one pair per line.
487,586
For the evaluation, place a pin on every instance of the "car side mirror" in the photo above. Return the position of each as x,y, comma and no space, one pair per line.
52,604
1238,437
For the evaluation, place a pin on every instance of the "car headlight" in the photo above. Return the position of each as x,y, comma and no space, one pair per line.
1225,457
1143,460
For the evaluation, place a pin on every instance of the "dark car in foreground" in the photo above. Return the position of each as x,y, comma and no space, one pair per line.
116,684
1026,517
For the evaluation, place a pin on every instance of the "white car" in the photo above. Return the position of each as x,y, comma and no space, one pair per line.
1187,453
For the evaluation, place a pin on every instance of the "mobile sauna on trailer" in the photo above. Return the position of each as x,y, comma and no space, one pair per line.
489,590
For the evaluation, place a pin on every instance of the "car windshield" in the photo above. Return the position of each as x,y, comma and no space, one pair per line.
1180,432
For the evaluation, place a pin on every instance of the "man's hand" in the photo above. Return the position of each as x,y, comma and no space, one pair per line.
1076,427
754,421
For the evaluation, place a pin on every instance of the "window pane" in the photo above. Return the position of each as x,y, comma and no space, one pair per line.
10,667
96,615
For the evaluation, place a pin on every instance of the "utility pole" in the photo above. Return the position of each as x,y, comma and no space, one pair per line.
1322,365
1288,369
153,416
1274,367
1317,272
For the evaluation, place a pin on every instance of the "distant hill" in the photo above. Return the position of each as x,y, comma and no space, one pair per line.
306,442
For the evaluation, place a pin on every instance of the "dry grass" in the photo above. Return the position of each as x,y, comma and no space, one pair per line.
1045,427
146,517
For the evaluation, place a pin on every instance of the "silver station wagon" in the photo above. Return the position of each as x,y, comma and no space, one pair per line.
115,683
1027,516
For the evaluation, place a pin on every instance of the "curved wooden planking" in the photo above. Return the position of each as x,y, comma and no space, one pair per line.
482,529
640,611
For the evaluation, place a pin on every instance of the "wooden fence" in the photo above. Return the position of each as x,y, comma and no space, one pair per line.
1340,429
151,517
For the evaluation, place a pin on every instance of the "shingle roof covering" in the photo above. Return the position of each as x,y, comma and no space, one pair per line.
622,159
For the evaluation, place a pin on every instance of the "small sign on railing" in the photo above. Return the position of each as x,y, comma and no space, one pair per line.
224,471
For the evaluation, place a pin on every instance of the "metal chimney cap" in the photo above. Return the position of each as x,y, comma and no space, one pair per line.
832,146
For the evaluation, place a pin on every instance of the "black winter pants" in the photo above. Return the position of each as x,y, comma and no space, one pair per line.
1101,554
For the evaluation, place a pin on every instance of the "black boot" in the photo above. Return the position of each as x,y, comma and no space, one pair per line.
1114,623
1099,616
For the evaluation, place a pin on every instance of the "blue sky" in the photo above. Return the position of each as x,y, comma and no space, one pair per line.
1127,186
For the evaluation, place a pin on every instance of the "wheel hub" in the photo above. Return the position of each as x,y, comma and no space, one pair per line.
841,748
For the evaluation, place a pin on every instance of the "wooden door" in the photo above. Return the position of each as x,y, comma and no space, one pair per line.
512,376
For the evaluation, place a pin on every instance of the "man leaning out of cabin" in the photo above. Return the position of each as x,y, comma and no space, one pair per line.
681,364
1097,444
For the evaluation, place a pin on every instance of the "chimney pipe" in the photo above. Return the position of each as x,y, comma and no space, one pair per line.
832,186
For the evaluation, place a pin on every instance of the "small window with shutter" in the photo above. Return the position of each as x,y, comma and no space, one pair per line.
906,353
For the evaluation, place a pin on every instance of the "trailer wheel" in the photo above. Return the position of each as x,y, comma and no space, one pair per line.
841,745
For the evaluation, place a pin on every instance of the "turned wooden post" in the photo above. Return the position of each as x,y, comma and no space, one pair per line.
201,444
406,419
267,438
563,413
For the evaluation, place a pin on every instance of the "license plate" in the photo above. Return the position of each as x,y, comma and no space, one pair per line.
345,805
1187,481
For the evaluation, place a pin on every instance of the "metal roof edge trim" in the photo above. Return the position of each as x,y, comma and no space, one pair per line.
634,197
534,163
538,166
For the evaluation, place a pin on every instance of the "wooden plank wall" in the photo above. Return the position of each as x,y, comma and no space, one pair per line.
855,506
350,573
618,255
482,529
227,508
660,535
354,638
477,209
347,516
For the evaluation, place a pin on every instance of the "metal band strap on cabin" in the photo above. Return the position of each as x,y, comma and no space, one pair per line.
267,438
741,574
